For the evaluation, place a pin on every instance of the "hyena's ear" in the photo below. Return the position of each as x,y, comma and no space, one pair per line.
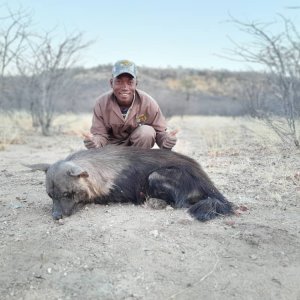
38,167
77,171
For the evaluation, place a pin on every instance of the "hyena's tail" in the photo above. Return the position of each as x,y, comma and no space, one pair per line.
210,208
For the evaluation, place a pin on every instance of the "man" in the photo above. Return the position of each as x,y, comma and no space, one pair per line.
128,116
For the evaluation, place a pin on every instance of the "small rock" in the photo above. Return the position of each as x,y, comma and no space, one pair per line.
230,222
154,233
61,222
16,205
155,203
244,207
169,207
185,221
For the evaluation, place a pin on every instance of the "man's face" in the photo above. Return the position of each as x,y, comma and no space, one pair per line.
124,87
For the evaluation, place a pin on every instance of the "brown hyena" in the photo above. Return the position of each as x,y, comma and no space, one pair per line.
128,174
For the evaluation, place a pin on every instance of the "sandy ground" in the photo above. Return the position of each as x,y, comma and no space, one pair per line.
129,252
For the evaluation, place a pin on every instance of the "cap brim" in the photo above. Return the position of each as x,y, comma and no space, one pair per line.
124,72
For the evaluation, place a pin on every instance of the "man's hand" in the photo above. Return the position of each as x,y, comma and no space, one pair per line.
170,140
91,141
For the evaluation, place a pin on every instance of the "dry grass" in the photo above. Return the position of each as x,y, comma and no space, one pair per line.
221,135
72,124
218,135
15,126
12,128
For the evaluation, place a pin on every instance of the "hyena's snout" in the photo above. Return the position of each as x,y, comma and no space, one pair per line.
57,212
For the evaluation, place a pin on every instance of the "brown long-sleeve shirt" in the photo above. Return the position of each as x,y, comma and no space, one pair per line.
109,123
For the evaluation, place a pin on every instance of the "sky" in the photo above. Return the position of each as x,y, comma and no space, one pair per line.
157,33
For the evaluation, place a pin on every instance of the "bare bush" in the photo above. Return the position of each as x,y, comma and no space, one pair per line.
279,55
13,32
34,67
46,67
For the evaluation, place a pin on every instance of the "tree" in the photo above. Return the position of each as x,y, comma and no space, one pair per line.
46,66
279,55
13,32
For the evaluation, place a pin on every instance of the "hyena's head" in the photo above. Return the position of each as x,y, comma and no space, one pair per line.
67,185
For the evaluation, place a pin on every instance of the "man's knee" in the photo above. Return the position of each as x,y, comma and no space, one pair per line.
143,136
144,131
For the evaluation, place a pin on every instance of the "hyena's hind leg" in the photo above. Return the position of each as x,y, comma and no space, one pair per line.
172,185
179,188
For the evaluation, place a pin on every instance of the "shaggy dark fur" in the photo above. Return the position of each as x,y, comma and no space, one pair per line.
127,174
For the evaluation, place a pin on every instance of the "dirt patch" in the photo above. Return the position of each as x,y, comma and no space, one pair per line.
130,252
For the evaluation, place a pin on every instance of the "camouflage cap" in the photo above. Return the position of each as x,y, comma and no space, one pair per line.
124,66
